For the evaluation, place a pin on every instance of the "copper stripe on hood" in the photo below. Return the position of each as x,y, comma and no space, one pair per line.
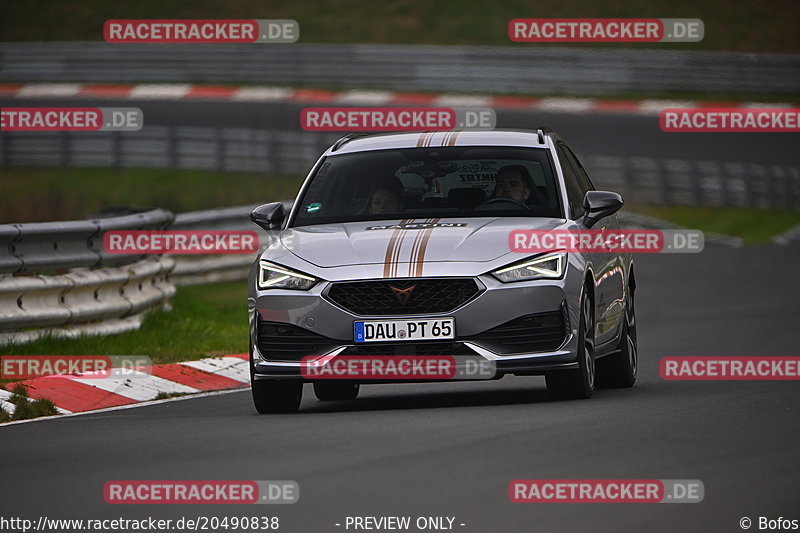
423,246
390,249
422,138
415,249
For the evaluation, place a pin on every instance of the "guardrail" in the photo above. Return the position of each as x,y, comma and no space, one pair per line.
84,302
488,69
198,269
698,183
56,279
185,147
639,179
45,247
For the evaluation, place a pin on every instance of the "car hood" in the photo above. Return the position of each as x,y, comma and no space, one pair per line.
408,243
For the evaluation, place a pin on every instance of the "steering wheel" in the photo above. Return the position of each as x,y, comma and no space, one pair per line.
502,199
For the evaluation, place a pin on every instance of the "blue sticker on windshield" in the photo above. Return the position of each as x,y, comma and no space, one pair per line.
313,208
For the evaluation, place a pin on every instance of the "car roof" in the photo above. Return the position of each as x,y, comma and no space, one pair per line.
387,141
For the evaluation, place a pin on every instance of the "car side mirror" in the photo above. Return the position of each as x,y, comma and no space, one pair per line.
600,204
269,216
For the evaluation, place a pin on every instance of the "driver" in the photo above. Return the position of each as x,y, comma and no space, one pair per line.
513,182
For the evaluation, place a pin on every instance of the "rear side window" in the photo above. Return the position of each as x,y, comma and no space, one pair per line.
575,192
580,172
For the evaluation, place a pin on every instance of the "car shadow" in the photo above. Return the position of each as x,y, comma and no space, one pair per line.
422,399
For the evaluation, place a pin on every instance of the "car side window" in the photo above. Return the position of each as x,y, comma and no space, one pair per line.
583,177
575,193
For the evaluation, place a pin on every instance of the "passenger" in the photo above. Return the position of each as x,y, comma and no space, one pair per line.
387,197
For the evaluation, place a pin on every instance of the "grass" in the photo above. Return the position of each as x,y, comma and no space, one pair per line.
46,194
206,321
24,408
751,225
734,25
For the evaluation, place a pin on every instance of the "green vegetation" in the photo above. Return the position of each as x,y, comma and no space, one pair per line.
744,26
751,225
24,408
43,194
206,321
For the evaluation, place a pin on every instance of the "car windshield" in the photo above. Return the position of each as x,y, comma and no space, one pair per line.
431,183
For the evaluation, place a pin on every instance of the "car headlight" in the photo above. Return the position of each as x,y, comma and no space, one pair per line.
548,266
272,276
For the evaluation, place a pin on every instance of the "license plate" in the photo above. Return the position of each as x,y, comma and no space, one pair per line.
420,329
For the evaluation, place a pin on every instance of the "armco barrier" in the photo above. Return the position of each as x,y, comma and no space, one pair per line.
55,278
83,302
197,269
54,246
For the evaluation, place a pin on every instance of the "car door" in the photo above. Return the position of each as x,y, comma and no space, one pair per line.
609,276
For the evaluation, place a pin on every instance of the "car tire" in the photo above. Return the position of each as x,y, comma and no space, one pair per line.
276,396
579,383
328,391
619,370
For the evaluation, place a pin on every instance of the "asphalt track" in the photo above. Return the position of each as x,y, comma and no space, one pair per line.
452,449
613,134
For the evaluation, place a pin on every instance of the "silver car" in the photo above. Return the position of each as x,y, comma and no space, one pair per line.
415,227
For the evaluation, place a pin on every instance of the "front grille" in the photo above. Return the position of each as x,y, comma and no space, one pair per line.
418,348
403,296
287,342
541,332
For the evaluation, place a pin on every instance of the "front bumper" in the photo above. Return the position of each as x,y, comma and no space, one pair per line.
496,305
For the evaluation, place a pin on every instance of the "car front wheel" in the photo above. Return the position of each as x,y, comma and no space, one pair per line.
578,383
619,370
276,396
